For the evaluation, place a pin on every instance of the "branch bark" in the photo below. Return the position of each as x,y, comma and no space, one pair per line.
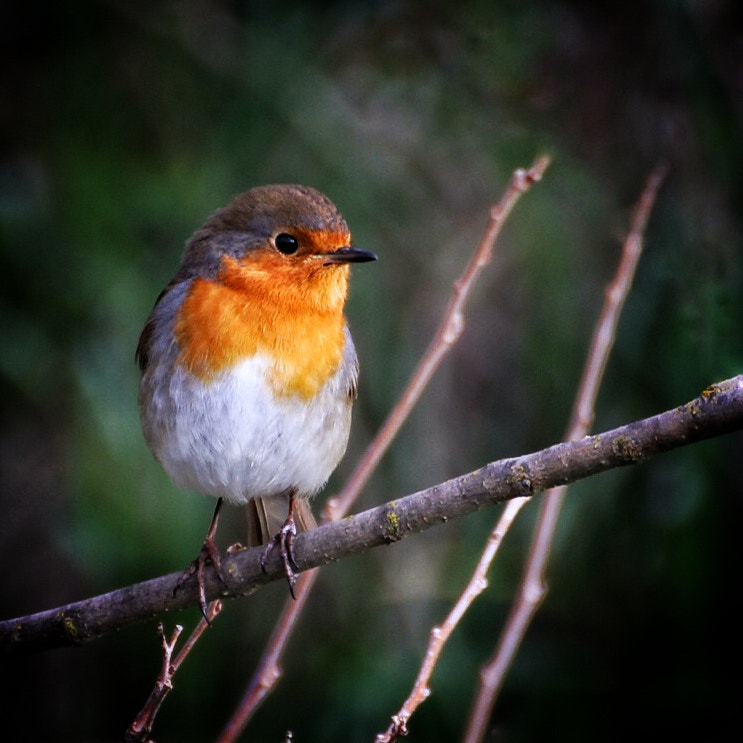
716,411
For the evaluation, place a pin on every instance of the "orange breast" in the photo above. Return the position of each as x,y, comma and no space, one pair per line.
293,316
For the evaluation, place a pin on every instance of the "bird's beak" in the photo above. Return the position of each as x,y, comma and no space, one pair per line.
348,255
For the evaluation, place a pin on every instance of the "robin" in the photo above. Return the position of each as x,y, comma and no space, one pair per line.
248,368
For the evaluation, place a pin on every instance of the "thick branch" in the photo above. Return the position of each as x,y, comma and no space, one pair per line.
718,410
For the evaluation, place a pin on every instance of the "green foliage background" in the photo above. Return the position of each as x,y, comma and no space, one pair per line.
123,125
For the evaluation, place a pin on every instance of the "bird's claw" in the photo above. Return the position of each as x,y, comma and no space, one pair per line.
285,541
209,555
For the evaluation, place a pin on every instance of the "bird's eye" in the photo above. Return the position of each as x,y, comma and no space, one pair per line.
286,244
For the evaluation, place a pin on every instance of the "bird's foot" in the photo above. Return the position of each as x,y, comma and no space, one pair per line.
285,542
209,555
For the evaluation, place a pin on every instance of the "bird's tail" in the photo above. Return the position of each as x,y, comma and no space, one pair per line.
266,516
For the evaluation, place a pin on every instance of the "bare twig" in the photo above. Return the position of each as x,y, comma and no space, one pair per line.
440,635
449,331
594,368
533,588
447,334
141,728
269,670
212,611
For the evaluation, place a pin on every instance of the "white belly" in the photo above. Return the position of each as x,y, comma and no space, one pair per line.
233,437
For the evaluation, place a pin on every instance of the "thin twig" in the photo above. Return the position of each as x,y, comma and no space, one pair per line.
440,635
446,336
141,728
269,671
596,361
532,590
212,611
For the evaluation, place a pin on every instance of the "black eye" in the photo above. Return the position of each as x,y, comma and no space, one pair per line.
286,244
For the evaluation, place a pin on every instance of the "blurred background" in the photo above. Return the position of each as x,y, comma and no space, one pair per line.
124,125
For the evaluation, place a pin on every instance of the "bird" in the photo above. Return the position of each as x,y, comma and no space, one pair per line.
248,367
